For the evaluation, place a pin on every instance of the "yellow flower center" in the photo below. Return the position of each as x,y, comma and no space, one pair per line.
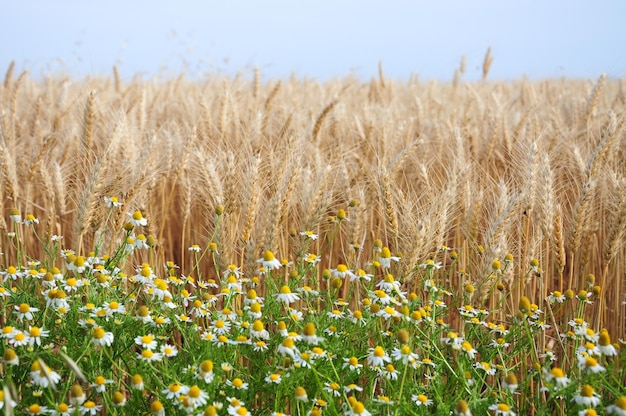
586,391
238,383
194,392
206,366
379,352
24,308
33,409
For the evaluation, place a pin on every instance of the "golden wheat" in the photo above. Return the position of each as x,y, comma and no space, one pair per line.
430,164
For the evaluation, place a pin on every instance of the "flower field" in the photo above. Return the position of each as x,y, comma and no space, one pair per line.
241,247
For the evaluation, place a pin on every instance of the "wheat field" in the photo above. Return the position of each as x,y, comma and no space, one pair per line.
516,189
534,169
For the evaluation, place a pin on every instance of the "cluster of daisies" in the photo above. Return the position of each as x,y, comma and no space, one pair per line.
96,334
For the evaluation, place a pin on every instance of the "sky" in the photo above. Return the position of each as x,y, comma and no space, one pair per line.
320,39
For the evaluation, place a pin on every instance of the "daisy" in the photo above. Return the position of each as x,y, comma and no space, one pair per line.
118,399
141,242
113,307
136,382
196,397
112,202
35,409
467,347
15,215
342,272
258,330
156,408
453,339
383,400
461,409
4,293
352,364
388,284
556,297
619,408
10,357
220,341
175,390
237,383
260,346
24,311
605,347
589,364
389,372
137,219
309,234
269,262
205,371
361,275
357,409
309,334
587,396
146,341
36,334
389,312
421,400
77,395
273,378
333,388
430,264
19,338
335,314
380,296
311,258
356,317
169,350
8,332
510,382
61,409
307,291
11,273
485,366
149,355
42,375
287,347
502,409
352,387
377,357
404,355
286,295
386,258
558,376
100,384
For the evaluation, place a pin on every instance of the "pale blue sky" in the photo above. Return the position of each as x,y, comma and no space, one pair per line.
321,39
